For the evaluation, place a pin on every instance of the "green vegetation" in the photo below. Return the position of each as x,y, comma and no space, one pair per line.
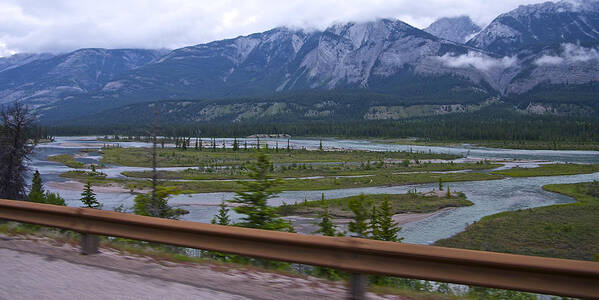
399,203
155,204
296,170
83,175
142,157
37,193
327,183
254,203
67,160
550,170
562,231
502,144
88,197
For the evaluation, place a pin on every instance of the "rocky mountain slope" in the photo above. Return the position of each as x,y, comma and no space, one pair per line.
43,79
539,25
457,29
543,53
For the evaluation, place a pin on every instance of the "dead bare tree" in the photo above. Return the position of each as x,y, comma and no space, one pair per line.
15,148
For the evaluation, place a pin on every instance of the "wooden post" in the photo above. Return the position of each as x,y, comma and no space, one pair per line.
89,243
357,286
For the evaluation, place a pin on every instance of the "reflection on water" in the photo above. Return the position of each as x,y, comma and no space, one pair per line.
489,196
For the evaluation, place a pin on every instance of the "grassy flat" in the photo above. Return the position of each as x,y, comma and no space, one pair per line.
67,160
562,231
400,203
550,170
327,183
302,170
168,157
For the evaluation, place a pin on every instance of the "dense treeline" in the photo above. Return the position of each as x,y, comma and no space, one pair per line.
475,126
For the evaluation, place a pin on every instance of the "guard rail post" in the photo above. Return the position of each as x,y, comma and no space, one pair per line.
89,243
357,286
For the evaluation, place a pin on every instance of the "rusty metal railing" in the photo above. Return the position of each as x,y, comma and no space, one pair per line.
560,277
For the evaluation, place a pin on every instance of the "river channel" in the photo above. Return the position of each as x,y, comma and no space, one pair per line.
489,197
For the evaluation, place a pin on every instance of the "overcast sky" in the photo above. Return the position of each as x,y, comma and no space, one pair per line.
66,25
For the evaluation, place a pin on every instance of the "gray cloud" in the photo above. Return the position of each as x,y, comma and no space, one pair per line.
65,25
570,54
477,60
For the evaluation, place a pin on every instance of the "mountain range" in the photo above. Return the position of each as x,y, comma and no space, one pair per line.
540,58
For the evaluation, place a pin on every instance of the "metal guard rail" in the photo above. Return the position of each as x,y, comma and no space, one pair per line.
560,277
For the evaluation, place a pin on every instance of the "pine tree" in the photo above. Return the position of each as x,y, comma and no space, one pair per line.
37,189
254,202
222,216
235,145
155,204
15,148
320,146
288,146
326,226
53,198
440,184
387,229
88,197
374,226
448,193
358,225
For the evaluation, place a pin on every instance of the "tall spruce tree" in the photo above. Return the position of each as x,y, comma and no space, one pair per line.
147,205
358,225
222,216
373,225
235,145
387,229
326,226
15,148
254,202
37,188
88,197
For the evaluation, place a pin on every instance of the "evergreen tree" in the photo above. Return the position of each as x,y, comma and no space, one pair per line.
201,144
245,145
448,193
440,184
183,144
326,226
88,197
358,225
222,216
387,229
288,146
253,203
320,146
37,189
15,148
53,198
373,225
235,145
144,205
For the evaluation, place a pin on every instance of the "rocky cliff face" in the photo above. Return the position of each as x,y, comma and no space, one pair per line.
43,79
542,24
457,29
